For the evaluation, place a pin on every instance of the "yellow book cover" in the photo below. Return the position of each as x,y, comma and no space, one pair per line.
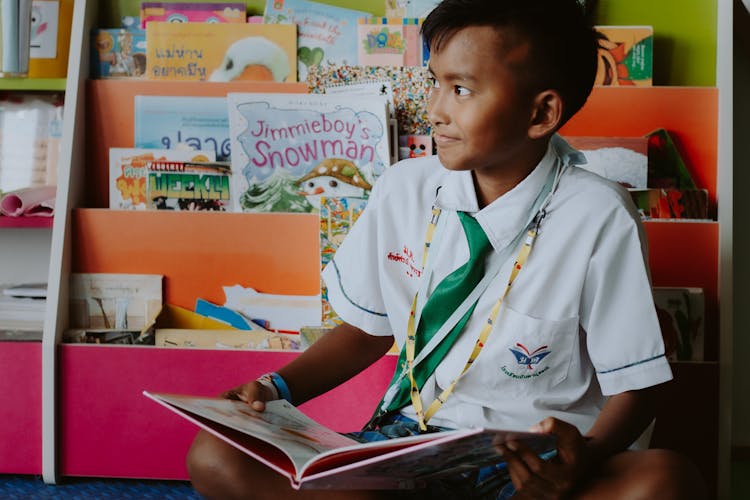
625,56
221,52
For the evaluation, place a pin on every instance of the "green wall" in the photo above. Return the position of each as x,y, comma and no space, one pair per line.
684,36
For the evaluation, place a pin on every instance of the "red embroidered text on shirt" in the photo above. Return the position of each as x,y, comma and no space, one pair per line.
406,257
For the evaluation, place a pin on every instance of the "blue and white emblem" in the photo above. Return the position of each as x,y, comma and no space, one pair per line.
529,358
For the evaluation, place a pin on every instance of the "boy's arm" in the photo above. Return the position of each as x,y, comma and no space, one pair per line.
333,359
621,421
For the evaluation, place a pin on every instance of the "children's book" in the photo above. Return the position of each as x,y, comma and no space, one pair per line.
391,41
315,457
226,315
409,8
118,53
671,203
290,149
337,216
373,87
682,319
326,34
279,312
621,159
666,168
173,122
194,12
129,173
221,52
189,185
114,302
409,88
227,339
625,55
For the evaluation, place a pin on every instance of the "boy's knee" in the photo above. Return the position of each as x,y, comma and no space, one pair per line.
208,463
668,475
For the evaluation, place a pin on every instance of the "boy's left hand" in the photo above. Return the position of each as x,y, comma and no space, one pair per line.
536,478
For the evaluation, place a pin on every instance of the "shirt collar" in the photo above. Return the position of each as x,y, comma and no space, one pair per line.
506,217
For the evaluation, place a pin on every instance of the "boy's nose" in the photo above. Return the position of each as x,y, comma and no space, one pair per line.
436,111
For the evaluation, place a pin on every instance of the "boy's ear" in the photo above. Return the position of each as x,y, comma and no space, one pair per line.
546,114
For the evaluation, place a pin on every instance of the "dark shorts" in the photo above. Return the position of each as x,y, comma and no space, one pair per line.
488,483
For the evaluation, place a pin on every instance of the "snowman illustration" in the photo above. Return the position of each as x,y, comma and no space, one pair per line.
334,178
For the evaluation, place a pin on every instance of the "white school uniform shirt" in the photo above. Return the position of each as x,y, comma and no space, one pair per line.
579,323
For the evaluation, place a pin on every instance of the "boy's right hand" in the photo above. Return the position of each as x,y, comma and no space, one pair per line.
253,393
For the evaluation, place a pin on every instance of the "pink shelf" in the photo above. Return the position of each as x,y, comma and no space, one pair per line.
108,428
26,222
20,408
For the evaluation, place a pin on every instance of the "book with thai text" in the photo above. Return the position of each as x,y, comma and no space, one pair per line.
221,52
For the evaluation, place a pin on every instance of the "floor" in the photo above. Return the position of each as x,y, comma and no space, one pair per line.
15,487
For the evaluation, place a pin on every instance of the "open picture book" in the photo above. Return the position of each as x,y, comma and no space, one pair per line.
313,456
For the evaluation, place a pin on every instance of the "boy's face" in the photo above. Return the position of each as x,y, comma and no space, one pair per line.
479,111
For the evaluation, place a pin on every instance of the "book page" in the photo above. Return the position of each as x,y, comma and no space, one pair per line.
409,465
324,459
281,424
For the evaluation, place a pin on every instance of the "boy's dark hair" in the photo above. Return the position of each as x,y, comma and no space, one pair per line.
563,43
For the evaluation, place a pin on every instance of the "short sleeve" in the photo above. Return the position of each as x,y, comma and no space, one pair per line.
617,312
352,275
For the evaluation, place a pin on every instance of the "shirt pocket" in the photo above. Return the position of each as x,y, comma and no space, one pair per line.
527,355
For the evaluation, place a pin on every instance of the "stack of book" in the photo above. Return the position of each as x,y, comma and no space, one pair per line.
22,310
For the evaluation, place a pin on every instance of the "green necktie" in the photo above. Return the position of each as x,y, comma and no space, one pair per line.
446,298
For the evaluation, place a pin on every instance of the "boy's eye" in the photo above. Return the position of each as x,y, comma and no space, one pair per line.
433,83
459,90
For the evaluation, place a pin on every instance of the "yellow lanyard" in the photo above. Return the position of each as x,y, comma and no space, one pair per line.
416,399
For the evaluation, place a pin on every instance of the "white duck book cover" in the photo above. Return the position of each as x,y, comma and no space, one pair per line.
288,150
326,34
221,52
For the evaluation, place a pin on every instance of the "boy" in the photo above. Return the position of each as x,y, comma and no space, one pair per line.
572,348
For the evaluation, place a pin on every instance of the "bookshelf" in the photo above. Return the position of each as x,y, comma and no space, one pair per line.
84,385
25,245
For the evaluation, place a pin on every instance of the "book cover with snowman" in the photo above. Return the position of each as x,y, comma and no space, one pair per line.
288,150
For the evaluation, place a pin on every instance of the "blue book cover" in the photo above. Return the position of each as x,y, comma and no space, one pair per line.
225,315
166,122
326,34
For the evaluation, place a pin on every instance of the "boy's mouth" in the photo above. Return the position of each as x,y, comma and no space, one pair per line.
443,140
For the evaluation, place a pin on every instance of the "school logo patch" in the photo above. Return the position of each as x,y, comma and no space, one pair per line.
527,361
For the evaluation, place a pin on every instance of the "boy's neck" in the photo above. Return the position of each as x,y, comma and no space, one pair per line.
491,185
